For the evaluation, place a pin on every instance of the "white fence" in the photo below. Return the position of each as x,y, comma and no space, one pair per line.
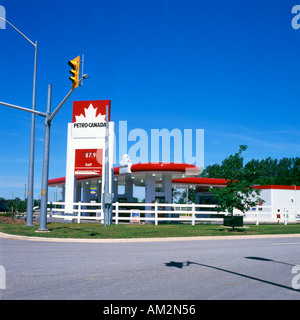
165,212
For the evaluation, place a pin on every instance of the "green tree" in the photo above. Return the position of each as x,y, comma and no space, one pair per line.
296,172
238,193
212,171
285,171
17,205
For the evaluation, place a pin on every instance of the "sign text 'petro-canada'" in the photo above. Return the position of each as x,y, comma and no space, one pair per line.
89,118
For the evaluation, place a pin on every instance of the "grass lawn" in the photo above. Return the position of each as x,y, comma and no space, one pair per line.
98,231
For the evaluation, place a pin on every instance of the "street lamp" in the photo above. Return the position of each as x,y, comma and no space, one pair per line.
29,222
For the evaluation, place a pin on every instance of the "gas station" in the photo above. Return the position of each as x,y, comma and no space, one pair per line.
90,148
92,179
157,179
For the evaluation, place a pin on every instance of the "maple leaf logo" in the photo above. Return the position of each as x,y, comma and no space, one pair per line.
90,115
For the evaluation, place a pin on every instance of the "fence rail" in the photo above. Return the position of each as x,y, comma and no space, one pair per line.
165,212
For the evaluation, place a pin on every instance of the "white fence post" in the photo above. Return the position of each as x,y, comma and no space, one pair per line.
117,213
285,212
156,213
193,214
256,216
79,212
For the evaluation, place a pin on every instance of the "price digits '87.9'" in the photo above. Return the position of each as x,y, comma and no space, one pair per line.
89,155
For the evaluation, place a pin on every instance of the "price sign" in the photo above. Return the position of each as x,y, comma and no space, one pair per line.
88,161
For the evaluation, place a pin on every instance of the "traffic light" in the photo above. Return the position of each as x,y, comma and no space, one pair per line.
74,64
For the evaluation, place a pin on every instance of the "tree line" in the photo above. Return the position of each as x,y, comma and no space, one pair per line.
19,205
285,171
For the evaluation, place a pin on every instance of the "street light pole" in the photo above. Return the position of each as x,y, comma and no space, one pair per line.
29,222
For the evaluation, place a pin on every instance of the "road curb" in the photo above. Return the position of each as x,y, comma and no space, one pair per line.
135,240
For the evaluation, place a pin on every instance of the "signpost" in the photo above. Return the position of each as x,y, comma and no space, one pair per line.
107,198
90,150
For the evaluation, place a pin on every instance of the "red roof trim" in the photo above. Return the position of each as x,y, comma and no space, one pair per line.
62,180
138,167
201,181
178,167
278,187
56,181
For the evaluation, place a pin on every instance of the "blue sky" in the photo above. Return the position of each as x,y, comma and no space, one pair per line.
228,67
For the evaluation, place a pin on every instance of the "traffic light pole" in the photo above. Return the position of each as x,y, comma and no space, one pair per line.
61,104
39,113
44,193
48,120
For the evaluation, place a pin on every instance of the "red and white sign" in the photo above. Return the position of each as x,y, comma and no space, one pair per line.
88,161
79,112
86,145
89,118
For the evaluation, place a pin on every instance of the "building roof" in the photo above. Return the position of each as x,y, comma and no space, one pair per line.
182,168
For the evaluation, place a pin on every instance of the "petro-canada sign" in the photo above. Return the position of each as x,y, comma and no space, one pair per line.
89,118
89,122
86,148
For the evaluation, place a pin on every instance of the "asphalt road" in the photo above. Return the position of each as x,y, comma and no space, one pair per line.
187,270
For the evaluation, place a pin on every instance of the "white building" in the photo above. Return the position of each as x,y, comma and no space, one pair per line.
281,198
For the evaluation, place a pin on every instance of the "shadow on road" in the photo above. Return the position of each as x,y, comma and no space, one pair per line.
180,265
270,260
